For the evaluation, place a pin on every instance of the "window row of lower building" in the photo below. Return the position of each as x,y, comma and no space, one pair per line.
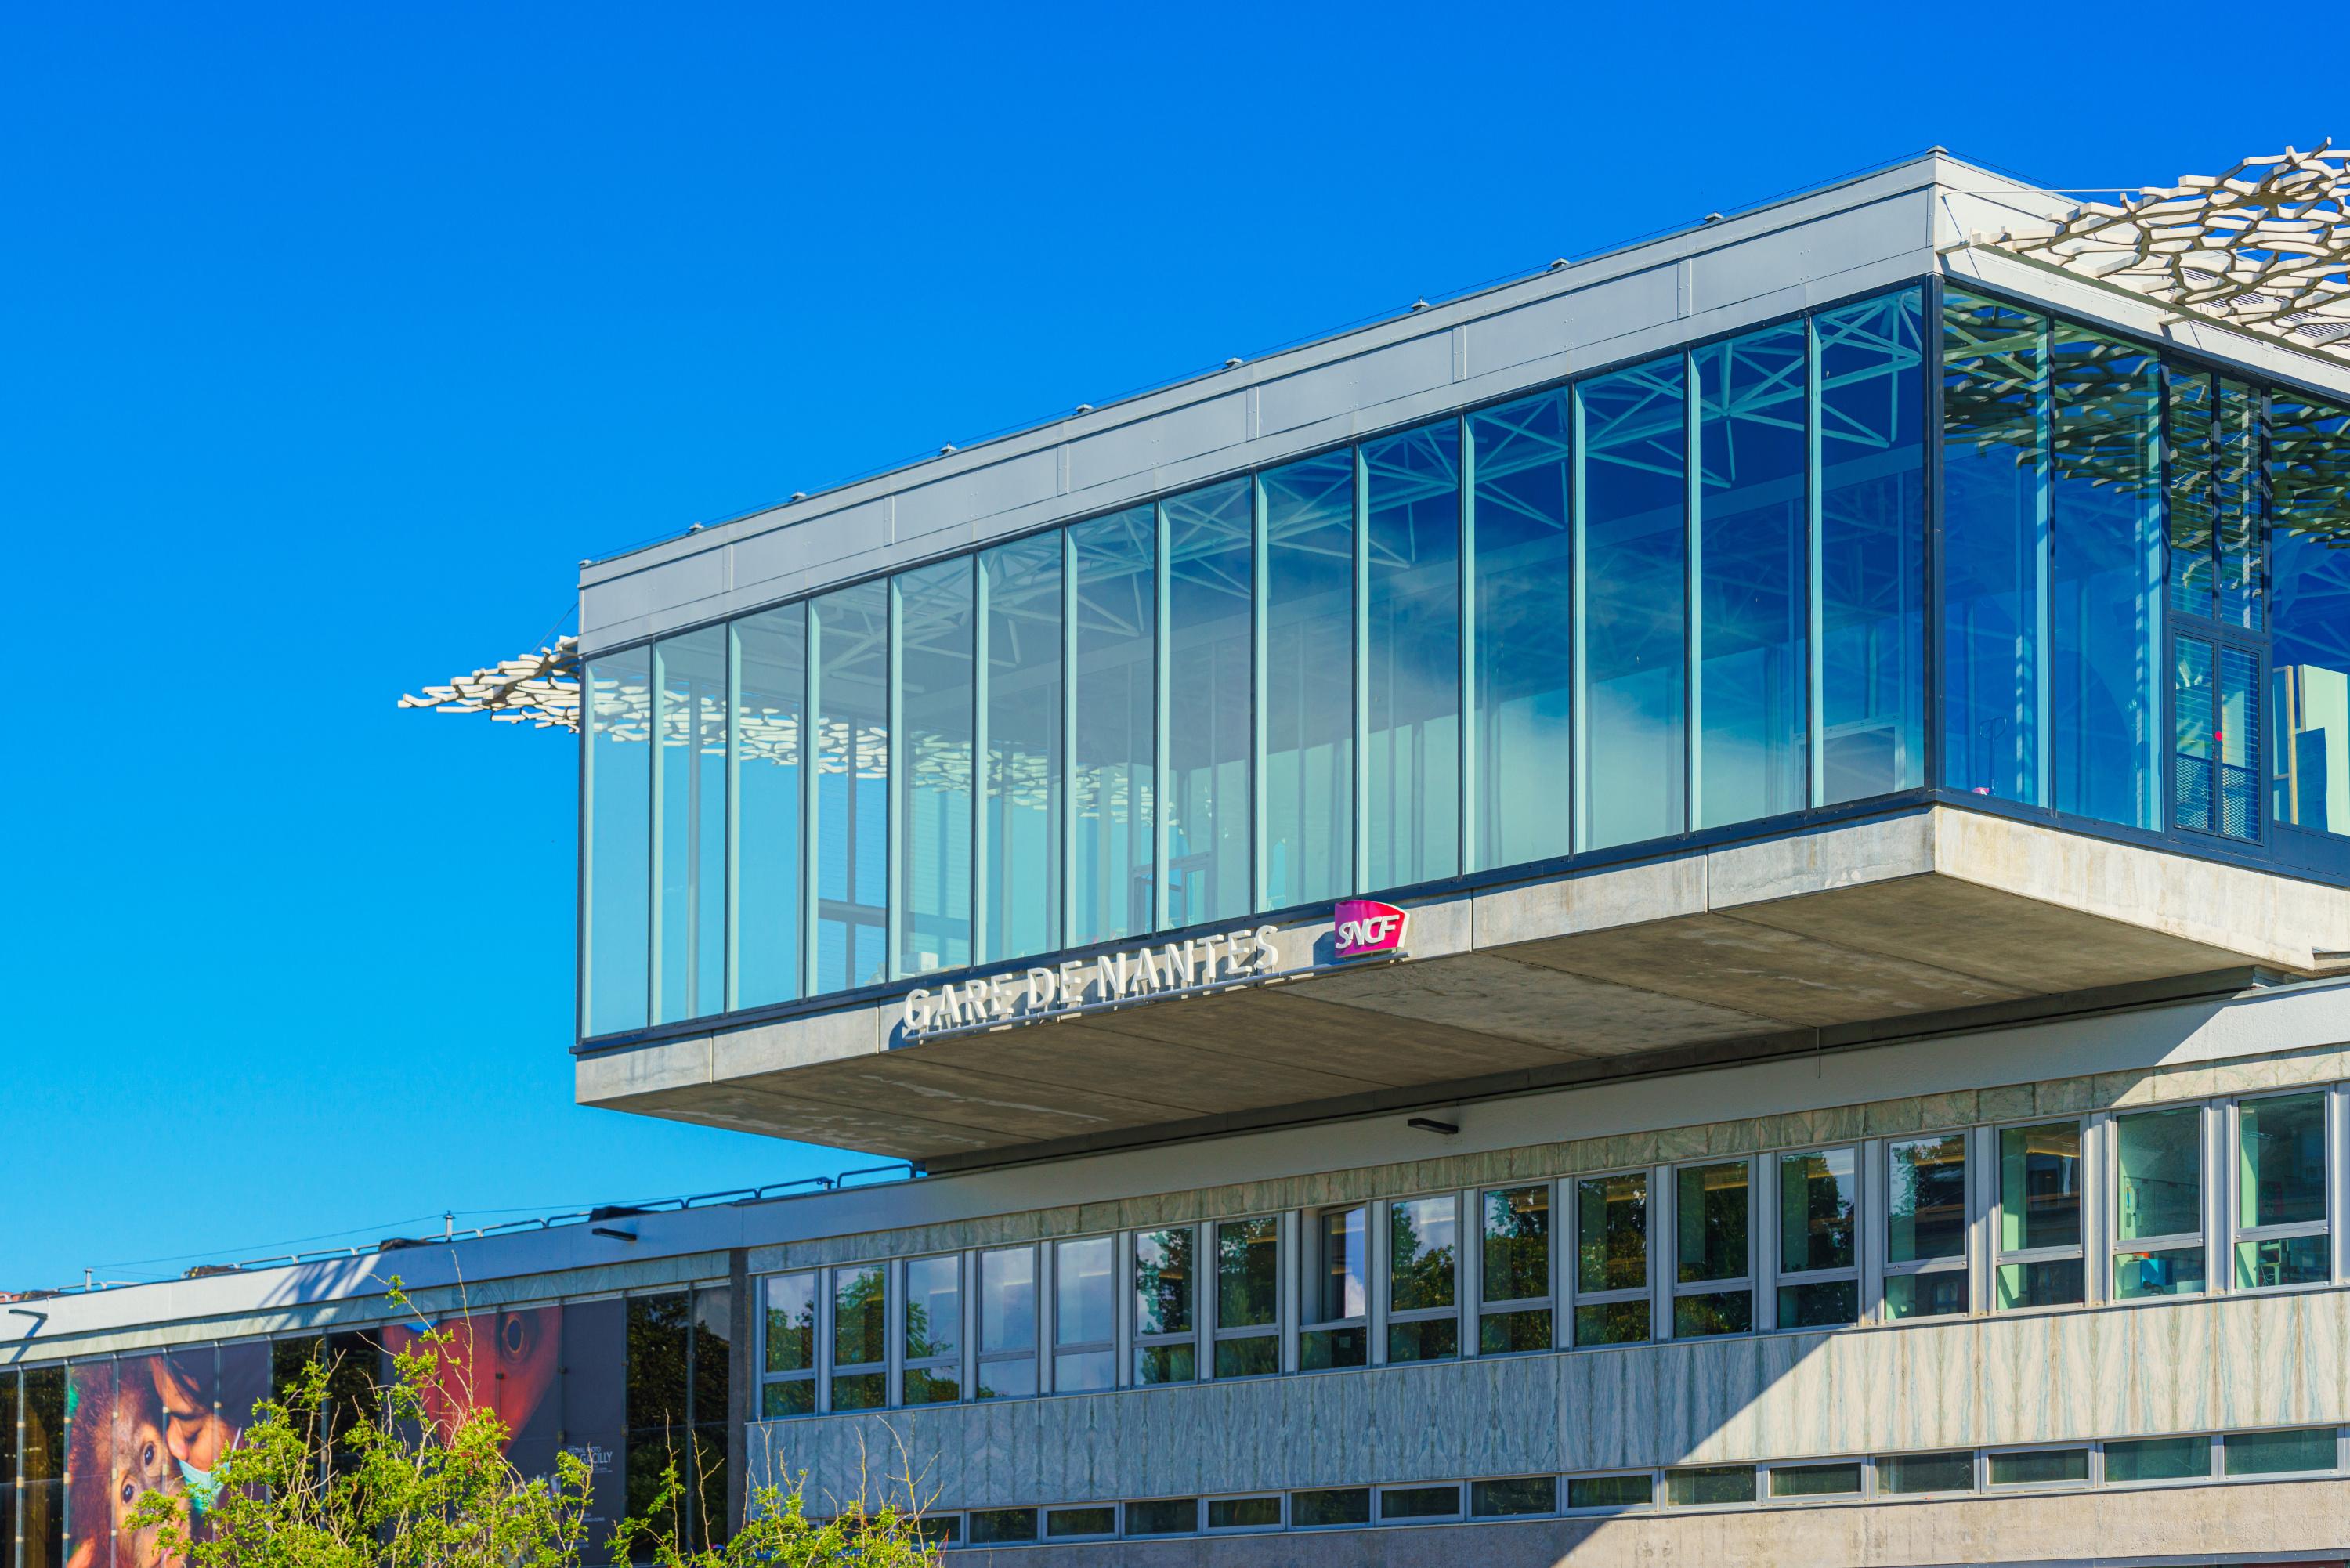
2175,1199
2197,1459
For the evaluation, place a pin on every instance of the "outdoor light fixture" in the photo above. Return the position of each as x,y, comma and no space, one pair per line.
1427,1124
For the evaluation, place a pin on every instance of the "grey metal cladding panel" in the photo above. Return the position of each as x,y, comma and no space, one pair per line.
806,545
1153,443
1350,386
655,591
971,498
1569,321
1807,252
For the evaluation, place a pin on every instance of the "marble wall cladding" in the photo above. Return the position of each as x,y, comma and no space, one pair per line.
2169,1366
1917,1113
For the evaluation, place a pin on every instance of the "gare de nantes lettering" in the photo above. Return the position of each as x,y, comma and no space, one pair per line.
1361,929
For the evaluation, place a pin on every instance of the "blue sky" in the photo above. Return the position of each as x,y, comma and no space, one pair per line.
335,336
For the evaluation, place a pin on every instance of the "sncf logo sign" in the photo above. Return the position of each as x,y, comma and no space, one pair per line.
1367,928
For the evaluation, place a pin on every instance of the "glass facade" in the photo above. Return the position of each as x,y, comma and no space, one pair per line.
1685,594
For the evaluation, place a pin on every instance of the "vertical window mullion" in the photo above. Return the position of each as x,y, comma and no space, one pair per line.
1467,589
729,981
811,751
893,786
981,783
2044,565
1766,1241
656,793
822,1358
1693,393
1664,1250
1290,1294
1161,588
1358,876
1469,1284
2096,1229
1579,623
1873,1240
1375,1308
1065,798
1259,587
1814,546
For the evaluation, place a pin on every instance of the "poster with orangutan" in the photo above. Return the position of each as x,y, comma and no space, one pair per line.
150,1423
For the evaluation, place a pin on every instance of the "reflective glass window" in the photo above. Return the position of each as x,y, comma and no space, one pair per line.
1080,1523
2158,1226
1002,1526
1020,752
1084,1314
1632,448
2280,1453
2039,1215
1309,679
2235,462
2309,564
619,839
1638,1489
1872,569
2157,1458
770,652
2041,1466
1166,1287
1399,1504
1515,1312
1840,1479
1905,1475
1523,648
1114,779
1245,1513
1925,1226
1503,1499
2104,655
1248,1297
936,691
788,1371
1163,1516
1338,1286
1994,545
1329,1507
2194,534
1709,1486
933,1330
1611,1259
1423,1278
1210,543
860,1316
1007,1323
690,825
2281,1181
1712,1253
1413,677
1753,557
1819,1283
849,644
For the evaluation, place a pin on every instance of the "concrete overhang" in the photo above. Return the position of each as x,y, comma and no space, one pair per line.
1937,919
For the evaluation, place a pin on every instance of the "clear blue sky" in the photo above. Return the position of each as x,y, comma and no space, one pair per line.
331,337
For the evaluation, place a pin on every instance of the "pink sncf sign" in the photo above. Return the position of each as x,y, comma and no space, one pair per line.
1367,928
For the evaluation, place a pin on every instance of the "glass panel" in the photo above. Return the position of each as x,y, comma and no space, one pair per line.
1938,1293
1419,1502
1517,1244
2175,1273
1872,574
1994,539
1085,1309
2055,1282
2105,595
1211,538
1710,1209
2195,715
1163,1277
933,1308
2039,1187
1007,1320
2194,558
1155,1364
997,1526
859,1313
860,1391
2158,1458
2281,1160
1926,1198
1613,1322
1611,1491
1066,1522
1753,557
935,643
1514,1333
1083,1371
1633,449
2239,744
2041,1466
791,1323
1839,1480
2160,1156
1500,1498
1248,1272
2236,438
1309,674
2279,1453
689,947
795,1398
1523,661
1321,1509
1424,1339
1816,1193
1324,1350
1344,1271
1710,1484
2309,564
1903,1475
1245,1513
619,838
1826,1305
1720,1312
1163,1516
1115,775
771,677
933,1385
1414,652
1020,814
1423,1244
848,638
2296,1261
1612,1232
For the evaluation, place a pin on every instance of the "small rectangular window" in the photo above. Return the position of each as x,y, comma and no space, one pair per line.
1007,1327
860,1312
1085,1307
2158,1208
2041,1466
1424,1279
1713,1258
1248,1297
1245,1513
787,1375
1002,1526
1329,1507
933,1330
1819,1225
1592,1494
1910,1474
2039,1225
1514,1307
2157,1459
2302,1452
1166,1306
1709,1486
1840,1479
1163,1516
1507,1499
1418,1504
2280,1185
1925,1226
1337,1289
1611,1259
939,1529
1080,1523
